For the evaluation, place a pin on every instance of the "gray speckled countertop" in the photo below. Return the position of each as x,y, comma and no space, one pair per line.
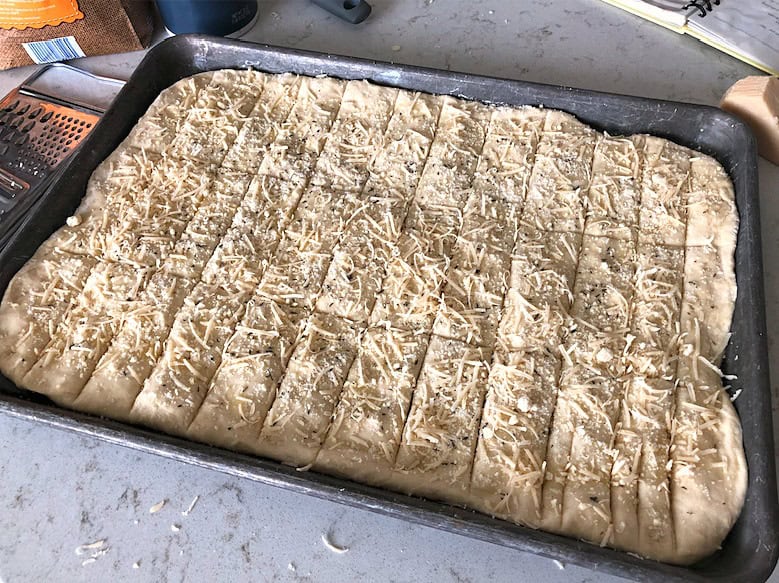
59,491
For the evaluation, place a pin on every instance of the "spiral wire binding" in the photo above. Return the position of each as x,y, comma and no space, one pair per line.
704,6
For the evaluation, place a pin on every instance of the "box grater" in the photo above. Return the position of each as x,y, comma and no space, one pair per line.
39,130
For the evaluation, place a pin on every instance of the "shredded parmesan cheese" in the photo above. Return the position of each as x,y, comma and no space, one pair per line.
326,540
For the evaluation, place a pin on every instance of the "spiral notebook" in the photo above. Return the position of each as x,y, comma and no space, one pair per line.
745,29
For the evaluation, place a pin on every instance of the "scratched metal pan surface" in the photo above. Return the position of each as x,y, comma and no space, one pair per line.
750,551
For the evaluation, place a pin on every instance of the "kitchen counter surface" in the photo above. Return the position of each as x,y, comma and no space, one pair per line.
59,491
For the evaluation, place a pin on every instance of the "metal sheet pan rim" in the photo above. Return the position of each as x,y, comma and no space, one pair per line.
715,133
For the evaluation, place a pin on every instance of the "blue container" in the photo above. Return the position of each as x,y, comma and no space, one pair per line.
217,17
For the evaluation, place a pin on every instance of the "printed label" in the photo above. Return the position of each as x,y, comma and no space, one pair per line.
56,49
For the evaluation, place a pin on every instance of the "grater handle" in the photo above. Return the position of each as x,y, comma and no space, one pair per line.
92,92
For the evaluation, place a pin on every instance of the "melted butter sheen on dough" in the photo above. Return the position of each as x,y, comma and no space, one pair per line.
490,306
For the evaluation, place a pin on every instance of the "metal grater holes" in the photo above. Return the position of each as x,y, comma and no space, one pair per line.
44,134
59,136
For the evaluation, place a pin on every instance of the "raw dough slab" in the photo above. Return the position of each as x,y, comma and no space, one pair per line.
492,306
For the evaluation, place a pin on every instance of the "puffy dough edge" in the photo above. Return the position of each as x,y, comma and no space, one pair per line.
720,520
704,536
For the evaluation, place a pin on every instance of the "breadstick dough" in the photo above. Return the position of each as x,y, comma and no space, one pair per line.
499,307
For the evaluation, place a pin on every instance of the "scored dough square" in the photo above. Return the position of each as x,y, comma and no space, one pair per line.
119,376
353,280
473,295
415,277
35,301
151,225
368,421
448,175
161,123
295,277
178,384
297,423
665,183
115,186
215,119
613,198
83,336
711,207
356,136
320,205
604,283
540,292
655,310
439,438
260,128
293,154
490,222
561,174
509,150
243,388
709,297
508,467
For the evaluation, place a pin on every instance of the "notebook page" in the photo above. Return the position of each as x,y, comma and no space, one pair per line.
668,13
675,5
749,29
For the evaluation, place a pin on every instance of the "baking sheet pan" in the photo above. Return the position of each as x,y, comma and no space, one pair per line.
750,551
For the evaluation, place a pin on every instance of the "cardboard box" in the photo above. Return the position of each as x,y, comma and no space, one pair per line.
44,31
